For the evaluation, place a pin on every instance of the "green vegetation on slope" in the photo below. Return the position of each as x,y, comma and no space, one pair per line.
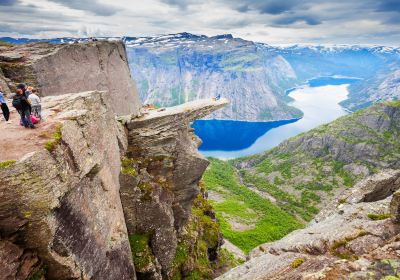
200,237
302,175
241,205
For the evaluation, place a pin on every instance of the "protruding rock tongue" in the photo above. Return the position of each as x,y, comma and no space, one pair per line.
163,169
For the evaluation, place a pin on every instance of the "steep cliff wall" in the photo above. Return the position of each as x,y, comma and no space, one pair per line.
63,203
65,68
160,179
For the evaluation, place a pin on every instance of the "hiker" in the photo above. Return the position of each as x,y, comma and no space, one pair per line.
25,92
21,104
35,103
4,107
25,89
218,97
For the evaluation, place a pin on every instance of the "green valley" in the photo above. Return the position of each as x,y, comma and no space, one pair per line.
239,208
263,197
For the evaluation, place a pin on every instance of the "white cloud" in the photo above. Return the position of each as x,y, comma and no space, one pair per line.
310,21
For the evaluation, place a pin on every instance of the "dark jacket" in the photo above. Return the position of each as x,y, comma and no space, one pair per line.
20,102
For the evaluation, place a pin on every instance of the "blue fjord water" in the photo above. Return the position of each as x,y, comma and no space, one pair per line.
319,100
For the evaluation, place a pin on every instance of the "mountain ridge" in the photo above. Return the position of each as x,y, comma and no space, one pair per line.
191,66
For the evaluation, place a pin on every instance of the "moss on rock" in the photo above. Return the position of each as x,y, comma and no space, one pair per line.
297,262
142,254
57,136
7,164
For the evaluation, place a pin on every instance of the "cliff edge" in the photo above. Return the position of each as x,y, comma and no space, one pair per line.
105,197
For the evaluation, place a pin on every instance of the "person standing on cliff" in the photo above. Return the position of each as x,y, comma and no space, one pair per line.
4,107
22,105
25,89
26,93
35,103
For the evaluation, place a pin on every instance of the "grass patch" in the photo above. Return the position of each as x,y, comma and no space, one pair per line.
141,251
272,222
128,166
303,207
393,103
340,250
379,216
7,164
297,262
57,136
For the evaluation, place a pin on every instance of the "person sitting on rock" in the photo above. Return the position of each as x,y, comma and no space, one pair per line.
35,103
22,105
4,107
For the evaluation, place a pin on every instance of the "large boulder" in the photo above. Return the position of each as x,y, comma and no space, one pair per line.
58,69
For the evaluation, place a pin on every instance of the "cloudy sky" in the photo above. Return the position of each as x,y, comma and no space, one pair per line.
269,21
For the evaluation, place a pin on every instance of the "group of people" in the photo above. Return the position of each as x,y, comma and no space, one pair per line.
27,102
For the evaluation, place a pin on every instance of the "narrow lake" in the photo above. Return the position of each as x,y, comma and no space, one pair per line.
319,100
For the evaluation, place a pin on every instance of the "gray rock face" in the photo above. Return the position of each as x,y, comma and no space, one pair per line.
3,84
63,203
382,86
171,70
376,187
75,68
395,206
160,176
343,242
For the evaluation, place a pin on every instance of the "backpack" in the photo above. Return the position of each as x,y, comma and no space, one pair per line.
34,119
17,102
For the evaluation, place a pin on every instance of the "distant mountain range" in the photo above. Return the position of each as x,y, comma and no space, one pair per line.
176,68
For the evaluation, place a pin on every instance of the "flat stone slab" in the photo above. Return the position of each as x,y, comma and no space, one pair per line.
189,111
11,56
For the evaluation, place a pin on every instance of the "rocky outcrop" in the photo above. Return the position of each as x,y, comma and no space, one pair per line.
61,213
161,173
63,203
57,69
354,238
